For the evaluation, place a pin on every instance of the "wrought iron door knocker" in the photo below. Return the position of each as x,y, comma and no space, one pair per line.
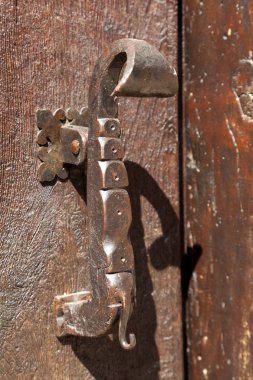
128,68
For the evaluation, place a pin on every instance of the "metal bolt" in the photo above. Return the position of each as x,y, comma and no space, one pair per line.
75,147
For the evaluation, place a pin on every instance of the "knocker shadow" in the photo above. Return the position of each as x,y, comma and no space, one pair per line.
103,356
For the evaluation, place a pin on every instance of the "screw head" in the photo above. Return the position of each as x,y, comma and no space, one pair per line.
75,147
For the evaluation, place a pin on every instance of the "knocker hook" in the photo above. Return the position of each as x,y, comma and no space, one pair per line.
125,312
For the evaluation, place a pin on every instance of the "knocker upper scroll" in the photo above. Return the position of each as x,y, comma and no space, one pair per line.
128,68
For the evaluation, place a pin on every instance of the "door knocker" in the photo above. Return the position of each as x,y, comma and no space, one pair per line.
128,68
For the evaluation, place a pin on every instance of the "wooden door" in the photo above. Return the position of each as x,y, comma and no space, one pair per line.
48,50
218,158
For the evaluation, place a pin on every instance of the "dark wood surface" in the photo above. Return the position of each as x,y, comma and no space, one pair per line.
218,77
47,52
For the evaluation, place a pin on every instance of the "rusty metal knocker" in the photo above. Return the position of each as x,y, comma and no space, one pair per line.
128,68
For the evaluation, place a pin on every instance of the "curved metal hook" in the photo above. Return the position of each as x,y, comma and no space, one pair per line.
122,337
125,313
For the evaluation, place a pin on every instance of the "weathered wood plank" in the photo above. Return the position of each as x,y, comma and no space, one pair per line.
218,169
47,52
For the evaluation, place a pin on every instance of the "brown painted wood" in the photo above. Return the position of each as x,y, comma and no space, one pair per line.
47,51
218,81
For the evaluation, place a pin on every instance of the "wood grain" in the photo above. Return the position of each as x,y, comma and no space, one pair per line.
218,81
47,51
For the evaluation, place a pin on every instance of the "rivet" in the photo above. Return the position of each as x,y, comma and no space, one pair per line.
75,147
